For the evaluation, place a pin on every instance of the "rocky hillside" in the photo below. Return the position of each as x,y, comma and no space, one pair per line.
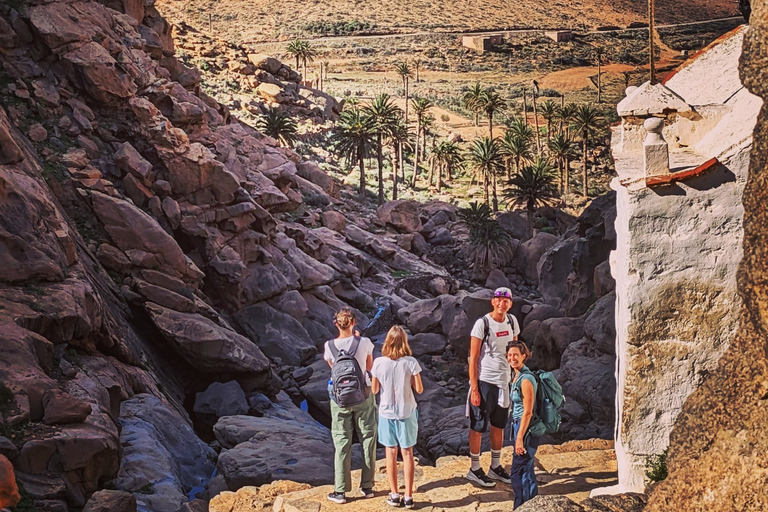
169,275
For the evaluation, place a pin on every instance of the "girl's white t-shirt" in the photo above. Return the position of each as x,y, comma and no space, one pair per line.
396,401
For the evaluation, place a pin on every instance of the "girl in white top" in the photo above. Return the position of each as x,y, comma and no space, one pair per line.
397,375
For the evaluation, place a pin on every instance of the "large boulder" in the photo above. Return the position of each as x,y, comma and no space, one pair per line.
276,333
422,316
111,501
427,343
553,337
61,408
207,346
135,232
221,399
530,252
28,253
260,450
162,456
516,224
401,215
553,270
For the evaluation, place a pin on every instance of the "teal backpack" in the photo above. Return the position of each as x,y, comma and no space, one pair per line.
549,399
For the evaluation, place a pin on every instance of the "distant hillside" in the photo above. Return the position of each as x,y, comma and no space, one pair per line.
259,20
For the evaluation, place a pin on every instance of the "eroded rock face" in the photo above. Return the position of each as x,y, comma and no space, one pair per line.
726,417
207,346
163,458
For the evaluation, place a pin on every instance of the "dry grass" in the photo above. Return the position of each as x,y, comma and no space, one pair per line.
266,20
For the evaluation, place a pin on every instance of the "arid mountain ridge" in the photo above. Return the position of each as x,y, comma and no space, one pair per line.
261,20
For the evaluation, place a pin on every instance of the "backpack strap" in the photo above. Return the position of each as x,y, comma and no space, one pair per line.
353,348
486,330
334,351
510,321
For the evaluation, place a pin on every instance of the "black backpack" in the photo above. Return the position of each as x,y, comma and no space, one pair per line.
349,385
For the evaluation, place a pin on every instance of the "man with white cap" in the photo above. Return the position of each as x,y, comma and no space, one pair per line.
489,377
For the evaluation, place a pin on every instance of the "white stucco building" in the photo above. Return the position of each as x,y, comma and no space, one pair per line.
682,156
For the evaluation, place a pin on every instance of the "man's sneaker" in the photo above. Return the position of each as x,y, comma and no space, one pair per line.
500,474
408,502
337,497
366,493
393,500
480,478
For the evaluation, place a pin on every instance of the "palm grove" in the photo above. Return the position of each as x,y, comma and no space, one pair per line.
521,165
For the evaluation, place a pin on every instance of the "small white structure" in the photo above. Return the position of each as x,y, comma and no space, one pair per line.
682,156
482,43
559,36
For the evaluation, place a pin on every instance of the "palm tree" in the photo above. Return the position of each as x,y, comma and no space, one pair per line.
490,102
385,115
307,55
548,112
421,108
295,49
565,117
400,138
404,71
448,157
532,187
599,53
278,125
490,246
416,64
536,116
562,149
586,120
485,158
520,128
354,137
472,100
515,147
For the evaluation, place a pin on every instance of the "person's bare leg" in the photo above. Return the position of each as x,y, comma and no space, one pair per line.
497,439
409,470
475,439
392,468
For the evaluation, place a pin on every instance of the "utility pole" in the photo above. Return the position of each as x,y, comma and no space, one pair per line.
651,30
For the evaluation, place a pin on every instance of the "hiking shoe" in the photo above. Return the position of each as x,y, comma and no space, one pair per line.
393,500
479,477
366,493
337,497
500,474
408,502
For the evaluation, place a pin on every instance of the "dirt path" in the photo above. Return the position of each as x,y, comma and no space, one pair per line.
571,469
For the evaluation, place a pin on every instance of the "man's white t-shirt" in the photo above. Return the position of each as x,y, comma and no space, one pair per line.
396,401
494,368
364,349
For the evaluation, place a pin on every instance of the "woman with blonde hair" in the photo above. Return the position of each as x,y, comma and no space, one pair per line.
397,375
360,418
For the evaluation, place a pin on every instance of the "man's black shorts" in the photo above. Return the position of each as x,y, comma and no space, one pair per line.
489,410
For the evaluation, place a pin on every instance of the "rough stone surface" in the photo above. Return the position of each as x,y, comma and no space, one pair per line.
402,215
111,501
264,449
207,346
161,453
221,399
530,252
61,408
